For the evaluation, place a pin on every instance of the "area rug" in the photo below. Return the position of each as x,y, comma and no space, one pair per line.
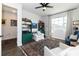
37,48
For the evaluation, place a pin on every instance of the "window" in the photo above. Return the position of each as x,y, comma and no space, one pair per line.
59,26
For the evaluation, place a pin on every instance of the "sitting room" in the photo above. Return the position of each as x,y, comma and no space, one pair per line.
45,29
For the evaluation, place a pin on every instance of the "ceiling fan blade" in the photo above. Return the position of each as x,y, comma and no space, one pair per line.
42,4
49,6
38,7
46,4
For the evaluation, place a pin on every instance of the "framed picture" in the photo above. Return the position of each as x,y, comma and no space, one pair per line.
34,25
13,22
3,21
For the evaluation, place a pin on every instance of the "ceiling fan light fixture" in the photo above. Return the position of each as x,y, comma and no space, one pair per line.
44,8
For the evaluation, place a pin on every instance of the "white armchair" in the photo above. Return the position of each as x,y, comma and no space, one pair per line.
55,51
38,36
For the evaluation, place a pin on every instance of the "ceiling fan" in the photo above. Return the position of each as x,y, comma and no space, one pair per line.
44,6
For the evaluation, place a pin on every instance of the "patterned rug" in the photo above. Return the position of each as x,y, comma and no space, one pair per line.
37,48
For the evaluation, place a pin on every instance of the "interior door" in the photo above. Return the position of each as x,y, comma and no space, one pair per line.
0,25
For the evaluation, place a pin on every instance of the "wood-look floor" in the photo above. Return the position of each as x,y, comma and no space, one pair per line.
9,48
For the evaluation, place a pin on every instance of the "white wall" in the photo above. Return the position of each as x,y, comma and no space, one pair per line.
75,14
0,18
30,16
0,26
9,31
69,24
17,6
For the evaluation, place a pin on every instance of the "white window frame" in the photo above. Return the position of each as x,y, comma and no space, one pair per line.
64,27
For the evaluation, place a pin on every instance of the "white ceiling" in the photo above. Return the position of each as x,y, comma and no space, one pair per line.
58,7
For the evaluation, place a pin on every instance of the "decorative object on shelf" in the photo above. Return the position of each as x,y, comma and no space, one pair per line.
3,21
41,27
13,22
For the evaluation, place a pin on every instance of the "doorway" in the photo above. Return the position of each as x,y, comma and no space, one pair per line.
9,30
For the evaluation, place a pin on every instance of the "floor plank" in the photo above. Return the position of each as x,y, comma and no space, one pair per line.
9,48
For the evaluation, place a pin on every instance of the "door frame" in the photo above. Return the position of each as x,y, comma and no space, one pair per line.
18,7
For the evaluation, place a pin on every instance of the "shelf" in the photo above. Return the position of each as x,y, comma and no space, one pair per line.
26,24
76,22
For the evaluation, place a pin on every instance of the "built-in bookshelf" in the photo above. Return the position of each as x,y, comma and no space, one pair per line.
26,30
26,25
